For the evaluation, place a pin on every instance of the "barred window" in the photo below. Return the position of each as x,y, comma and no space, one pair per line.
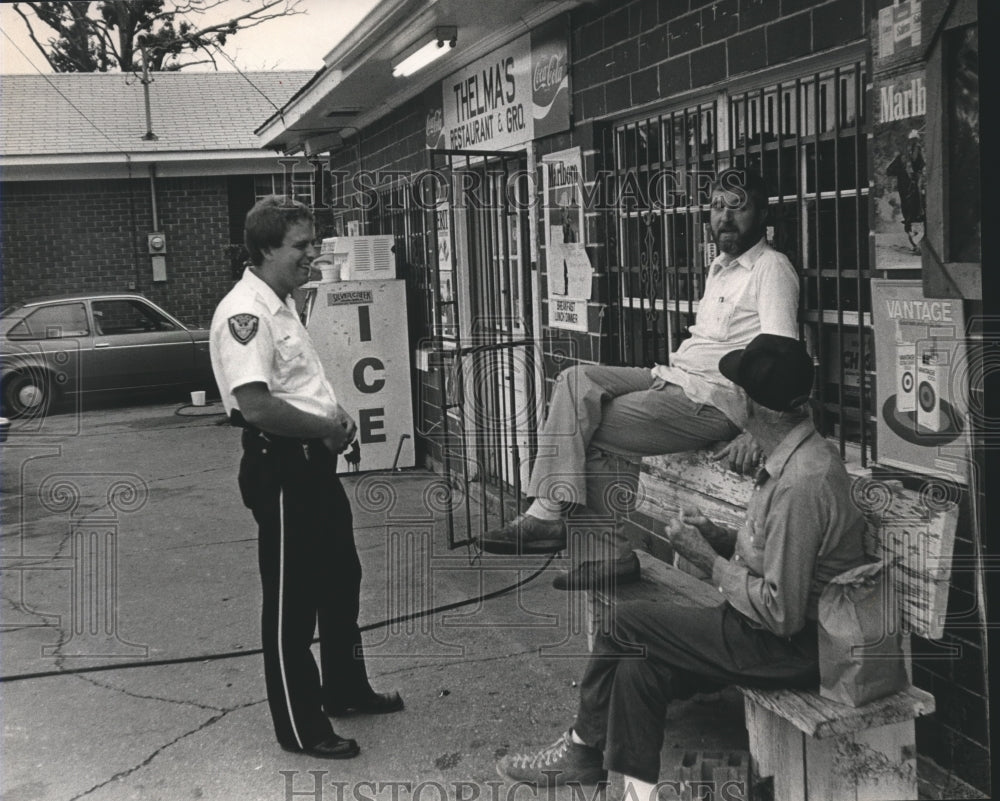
807,136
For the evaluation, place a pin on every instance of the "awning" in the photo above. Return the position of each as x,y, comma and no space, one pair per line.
356,85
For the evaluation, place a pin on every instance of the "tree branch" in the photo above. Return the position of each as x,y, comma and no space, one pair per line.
34,40
98,36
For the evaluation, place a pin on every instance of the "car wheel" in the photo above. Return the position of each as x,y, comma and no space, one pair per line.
27,393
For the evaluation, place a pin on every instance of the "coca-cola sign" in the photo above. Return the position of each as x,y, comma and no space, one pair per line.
549,77
550,69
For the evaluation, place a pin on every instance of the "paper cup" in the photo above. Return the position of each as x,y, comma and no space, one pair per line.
198,398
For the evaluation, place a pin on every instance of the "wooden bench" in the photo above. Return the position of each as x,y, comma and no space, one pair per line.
814,748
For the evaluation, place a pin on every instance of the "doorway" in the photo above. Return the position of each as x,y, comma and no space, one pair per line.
484,329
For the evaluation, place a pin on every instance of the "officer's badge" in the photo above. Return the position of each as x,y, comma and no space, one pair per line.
243,327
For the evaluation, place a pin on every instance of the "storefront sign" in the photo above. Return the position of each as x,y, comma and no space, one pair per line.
920,350
517,93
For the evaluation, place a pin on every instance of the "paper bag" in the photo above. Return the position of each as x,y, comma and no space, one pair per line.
860,645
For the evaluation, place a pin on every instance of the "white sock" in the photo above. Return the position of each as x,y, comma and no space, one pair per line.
576,737
636,790
544,509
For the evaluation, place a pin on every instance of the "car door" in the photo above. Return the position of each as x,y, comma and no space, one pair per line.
136,346
51,338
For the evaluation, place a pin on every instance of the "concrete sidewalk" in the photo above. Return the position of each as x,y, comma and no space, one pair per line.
125,542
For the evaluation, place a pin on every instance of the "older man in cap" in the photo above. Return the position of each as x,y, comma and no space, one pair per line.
801,530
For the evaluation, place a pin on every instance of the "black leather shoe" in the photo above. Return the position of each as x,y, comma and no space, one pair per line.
604,575
377,704
333,747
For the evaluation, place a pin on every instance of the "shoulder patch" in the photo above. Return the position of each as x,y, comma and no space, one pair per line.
243,327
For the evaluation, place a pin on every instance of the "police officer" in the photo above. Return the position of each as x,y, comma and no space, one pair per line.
272,383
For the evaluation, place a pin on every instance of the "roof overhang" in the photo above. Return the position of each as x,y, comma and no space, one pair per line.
356,86
77,166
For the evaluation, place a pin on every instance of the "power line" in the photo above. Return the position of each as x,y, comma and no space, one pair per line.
243,75
221,655
58,91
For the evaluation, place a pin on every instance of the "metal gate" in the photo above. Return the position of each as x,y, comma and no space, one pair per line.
483,333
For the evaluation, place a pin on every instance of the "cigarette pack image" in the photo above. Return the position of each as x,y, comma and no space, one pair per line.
932,377
906,377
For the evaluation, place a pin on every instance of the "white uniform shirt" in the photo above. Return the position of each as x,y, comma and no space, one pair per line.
257,337
755,293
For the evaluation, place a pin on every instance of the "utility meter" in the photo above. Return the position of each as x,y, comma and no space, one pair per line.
157,243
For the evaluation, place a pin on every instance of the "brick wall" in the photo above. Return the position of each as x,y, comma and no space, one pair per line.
954,670
90,236
648,50
395,142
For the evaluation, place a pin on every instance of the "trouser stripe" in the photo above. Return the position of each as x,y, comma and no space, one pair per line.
281,617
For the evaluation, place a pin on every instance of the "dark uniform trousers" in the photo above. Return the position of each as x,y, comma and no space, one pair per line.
650,653
309,571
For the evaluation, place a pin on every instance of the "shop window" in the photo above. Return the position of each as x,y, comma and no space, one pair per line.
279,184
807,136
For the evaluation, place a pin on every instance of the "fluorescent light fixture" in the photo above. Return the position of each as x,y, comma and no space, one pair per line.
430,48
315,145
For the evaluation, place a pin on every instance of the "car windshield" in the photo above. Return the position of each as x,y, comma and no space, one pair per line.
11,309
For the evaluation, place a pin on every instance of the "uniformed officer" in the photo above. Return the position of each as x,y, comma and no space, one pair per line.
273,384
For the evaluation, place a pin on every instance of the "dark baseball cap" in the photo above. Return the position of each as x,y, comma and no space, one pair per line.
775,371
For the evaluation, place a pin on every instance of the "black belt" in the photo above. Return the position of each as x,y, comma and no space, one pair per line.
252,433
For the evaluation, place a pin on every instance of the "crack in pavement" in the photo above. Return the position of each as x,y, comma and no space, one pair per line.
129,771
20,604
227,467
26,627
141,697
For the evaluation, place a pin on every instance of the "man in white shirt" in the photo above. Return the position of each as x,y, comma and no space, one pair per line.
602,418
273,385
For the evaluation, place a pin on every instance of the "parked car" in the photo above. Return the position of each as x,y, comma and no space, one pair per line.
92,343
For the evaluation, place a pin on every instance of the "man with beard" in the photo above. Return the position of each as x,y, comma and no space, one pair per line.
601,419
273,385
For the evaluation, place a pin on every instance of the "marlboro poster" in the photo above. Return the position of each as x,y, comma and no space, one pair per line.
920,351
899,191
